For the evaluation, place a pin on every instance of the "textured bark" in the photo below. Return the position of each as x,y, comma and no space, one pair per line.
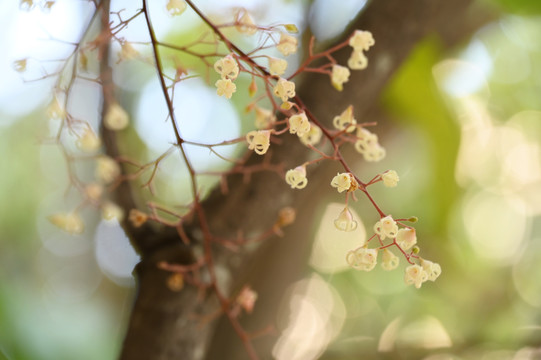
163,324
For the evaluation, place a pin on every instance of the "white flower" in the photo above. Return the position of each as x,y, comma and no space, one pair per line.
406,238
227,67
277,66
107,169
246,24
287,44
415,275
344,221
344,182
225,88
357,61
264,118
433,270
175,7
116,117
313,136
110,211
88,141
70,222
259,141
296,178
367,145
389,260
361,40
362,258
284,89
339,76
345,121
386,228
390,178
299,124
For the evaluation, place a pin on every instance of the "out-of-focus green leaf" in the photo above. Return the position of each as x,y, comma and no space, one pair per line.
413,96
523,7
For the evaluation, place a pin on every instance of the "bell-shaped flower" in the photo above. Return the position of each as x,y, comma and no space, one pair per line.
344,182
287,44
296,178
357,60
284,89
415,275
362,258
277,66
339,76
406,238
264,118
175,7
361,40
246,24
225,88
432,269
345,120
116,117
259,141
389,261
227,67
299,124
386,228
390,178
107,169
344,221
313,136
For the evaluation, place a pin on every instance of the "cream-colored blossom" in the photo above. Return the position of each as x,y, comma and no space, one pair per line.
284,89
390,178
357,60
339,76
406,238
345,121
227,67
110,211
264,118
362,258
415,275
361,40
88,141
246,24
296,178
127,52
432,269
246,299
367,145
225,88
277,66
259,141
20,65
389,261
299,124
56,110
176,7
287,44
94,191
107,169
344,221
386,228
344,182
69,222
313,136
116,117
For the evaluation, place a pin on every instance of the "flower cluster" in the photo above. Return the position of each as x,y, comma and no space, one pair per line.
364,258
360,41
228,69
367,144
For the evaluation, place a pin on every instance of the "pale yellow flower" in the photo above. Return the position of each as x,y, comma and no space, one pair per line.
225,88
287,44
259,141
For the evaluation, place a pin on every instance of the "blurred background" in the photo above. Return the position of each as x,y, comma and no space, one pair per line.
463,132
